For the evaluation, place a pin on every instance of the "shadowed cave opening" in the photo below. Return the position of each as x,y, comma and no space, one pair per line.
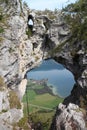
30,22
47,86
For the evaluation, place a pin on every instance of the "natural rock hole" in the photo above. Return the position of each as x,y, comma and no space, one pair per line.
30,22
47,86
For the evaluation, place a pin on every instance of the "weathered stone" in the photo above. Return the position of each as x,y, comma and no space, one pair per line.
69,118
12,116
4,102
21,50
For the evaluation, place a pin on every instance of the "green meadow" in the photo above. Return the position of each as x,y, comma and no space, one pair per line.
42,105
44,100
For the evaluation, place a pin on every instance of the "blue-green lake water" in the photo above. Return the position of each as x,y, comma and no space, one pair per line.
60,78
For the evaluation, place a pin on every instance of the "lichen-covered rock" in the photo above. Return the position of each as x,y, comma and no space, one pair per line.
4,102
10,109
4,126
22,49
69,117
12,116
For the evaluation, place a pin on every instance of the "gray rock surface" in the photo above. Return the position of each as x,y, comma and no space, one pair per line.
4,102
70,118
11,116
21,50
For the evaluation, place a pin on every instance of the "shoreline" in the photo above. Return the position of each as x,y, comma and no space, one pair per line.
53,88
48,88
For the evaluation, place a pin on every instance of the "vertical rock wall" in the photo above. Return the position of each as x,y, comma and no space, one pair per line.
22,50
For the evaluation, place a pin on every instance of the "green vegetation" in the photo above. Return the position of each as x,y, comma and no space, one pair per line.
2,84
6,1
3,111
31,96
1,39
83,102
11,50
22,124
41,98
25,3
41,106
31,85
44,117
1,81
21,13
1,30
14,100
37,58
50,14
1,17
57,49
38,21
3,22
29,32
76,17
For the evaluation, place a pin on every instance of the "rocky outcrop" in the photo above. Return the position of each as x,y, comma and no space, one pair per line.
9,118
22,49
10,109
69,118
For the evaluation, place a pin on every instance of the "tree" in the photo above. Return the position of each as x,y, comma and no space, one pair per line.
76,17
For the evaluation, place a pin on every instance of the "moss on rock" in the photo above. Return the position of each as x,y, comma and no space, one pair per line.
14,100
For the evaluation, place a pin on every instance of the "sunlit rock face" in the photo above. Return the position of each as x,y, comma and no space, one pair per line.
22,49
69,117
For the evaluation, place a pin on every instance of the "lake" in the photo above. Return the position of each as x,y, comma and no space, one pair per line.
60,78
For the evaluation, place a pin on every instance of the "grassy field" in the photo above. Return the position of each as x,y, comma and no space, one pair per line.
44,117
41,107
44,100
32,85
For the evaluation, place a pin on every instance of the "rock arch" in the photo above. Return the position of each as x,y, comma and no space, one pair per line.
72,55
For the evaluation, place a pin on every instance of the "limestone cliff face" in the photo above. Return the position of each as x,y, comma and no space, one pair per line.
22,50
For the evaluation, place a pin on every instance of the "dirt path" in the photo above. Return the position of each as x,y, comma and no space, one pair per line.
41,107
